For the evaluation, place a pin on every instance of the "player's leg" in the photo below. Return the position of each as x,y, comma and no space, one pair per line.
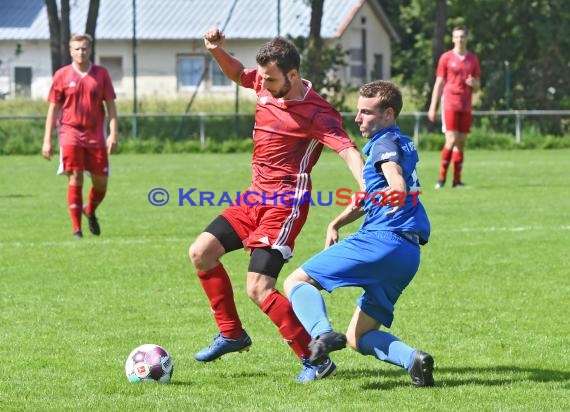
364,336
72,165
449,119
395,270
264,267
464,126
205,252
309,306
97,163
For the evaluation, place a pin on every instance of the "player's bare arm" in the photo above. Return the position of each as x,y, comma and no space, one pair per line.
355,163
214,41
396,184
436,94
348,215
113,139
47,148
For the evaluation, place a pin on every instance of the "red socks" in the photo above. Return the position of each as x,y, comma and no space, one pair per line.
445,159
280,311
95,197
218,288
457,160
75,205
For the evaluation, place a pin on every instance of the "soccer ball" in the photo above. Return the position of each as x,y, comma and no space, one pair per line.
149,363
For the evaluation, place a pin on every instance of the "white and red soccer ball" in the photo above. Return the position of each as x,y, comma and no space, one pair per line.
148,363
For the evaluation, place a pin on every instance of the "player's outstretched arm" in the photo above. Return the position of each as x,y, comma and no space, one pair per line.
214,41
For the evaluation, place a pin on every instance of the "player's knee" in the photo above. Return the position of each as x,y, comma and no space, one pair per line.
352,339
198,256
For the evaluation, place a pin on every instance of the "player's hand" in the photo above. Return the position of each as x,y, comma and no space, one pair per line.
47,150
393,195
112,144
213,39
431,115
332,236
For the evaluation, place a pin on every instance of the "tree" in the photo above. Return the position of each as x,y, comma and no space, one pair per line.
523,46
60,30
319,61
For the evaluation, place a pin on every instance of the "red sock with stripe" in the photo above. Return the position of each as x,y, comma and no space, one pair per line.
218,288
457,160
280,311
95,198
445,159
75,205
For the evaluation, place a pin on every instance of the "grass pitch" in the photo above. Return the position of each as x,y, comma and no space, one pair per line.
490,301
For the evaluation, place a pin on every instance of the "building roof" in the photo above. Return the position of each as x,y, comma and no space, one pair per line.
185,19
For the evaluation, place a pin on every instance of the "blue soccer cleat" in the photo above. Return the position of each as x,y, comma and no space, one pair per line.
311,372
222,345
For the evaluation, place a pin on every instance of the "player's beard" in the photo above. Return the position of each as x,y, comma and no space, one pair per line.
282,92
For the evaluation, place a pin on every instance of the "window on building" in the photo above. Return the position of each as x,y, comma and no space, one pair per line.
23,81
114,66
378,66
189,70
218,76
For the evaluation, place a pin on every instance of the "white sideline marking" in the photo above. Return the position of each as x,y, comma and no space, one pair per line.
509,229
77,242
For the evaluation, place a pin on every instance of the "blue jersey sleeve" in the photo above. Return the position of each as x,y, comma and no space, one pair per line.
386,150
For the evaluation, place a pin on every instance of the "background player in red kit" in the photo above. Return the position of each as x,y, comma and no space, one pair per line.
458,73
76,102
292,123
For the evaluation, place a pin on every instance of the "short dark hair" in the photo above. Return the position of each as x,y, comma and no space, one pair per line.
387,94
280,51
460,27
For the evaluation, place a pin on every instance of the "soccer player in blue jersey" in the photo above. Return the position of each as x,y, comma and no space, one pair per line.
382,257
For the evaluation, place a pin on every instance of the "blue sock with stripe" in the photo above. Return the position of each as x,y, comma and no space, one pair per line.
309,306
386,347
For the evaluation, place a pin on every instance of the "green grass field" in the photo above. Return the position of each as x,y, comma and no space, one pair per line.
490,301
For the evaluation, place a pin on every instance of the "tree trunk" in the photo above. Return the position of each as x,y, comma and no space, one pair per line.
91,23
315,45
65,33
439,31
54,37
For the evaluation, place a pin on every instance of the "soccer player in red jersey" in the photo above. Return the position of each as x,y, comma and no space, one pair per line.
292,124
458,73
76,102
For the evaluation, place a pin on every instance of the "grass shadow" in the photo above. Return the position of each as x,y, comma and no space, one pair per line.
460,376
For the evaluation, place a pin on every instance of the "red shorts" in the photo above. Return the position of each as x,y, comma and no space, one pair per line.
93,159
269,225
456,121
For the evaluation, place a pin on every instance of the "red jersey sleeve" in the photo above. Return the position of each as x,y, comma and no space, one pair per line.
249,79
328,129
441,70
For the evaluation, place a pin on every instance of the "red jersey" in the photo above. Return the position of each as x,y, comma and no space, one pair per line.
288,138
455,69
81,96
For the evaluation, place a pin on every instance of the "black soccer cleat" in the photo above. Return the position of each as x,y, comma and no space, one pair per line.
323,344
93,223
78,234
421,370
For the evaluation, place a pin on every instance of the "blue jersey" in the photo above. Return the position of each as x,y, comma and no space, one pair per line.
389,144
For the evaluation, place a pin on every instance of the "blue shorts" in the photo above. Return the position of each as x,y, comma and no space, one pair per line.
382,263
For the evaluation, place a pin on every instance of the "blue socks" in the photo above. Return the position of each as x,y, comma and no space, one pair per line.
386,347
309,306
